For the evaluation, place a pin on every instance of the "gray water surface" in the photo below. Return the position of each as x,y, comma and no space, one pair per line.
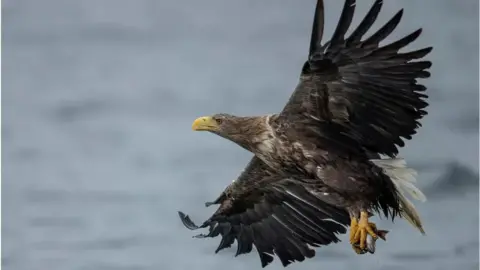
98,154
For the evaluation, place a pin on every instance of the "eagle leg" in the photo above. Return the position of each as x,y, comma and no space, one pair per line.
364,227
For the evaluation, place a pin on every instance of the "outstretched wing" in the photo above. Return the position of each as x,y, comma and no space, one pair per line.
277,216
357,92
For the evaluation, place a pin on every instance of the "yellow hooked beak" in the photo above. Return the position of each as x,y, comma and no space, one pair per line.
206,123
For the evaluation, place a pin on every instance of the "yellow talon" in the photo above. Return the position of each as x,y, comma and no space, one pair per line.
363,228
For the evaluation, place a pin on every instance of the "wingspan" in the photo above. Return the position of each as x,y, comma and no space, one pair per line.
358,92
276,216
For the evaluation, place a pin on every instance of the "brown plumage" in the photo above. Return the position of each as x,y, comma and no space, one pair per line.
317,165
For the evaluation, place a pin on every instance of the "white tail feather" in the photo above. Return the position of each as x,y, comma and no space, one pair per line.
404,179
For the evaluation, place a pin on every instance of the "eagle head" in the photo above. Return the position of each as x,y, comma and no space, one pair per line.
222,124
245,131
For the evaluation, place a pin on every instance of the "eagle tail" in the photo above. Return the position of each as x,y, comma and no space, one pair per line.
404,180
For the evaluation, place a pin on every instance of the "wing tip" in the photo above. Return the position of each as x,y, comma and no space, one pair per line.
419,30
317,28
187,222
397,17
428,50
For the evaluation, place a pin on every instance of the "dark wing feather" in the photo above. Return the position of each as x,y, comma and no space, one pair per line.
277,216
342,26
358,94
317,28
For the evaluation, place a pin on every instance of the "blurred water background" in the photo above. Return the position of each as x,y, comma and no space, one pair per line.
98,154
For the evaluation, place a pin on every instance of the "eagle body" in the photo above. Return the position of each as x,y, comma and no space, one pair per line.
351,175
328,159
